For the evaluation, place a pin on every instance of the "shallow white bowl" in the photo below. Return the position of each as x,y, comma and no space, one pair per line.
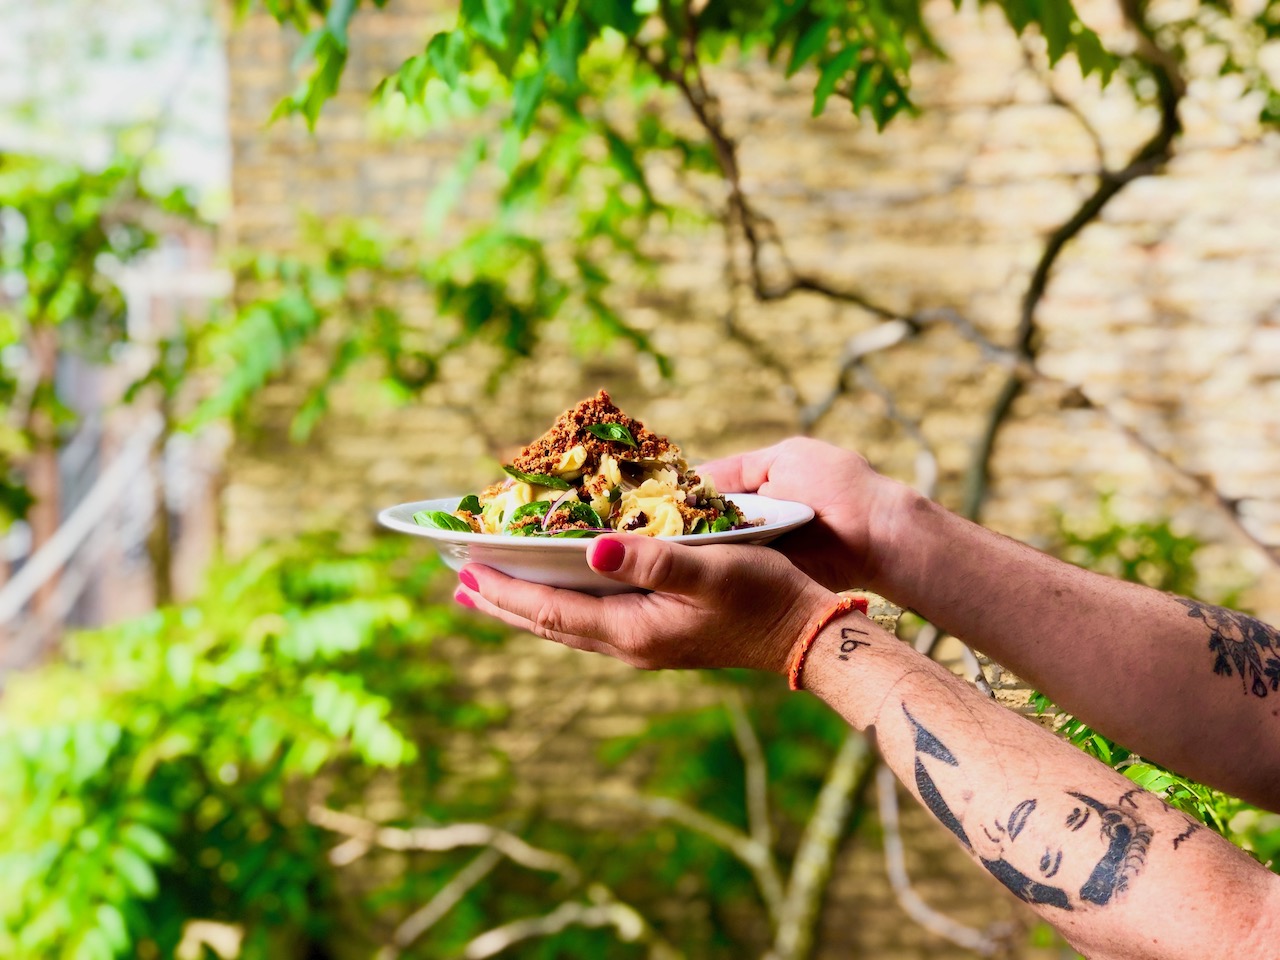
563,563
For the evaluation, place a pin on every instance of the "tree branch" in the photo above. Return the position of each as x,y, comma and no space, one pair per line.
606,911
365,834
445,899
756,770
1148,159
811,868
756,858
984,943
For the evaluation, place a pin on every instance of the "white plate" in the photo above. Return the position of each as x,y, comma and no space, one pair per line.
563,563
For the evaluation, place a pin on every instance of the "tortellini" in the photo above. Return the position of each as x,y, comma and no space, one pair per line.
571,461
656,499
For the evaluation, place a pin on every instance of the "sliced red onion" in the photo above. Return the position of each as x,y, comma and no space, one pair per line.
555,505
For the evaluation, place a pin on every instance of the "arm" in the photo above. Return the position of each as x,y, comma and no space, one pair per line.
1117,871
1185,683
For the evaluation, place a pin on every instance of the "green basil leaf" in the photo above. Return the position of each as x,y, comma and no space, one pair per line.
612,431
573,534
721,524
537,479
470,503
440,520
536,509
701,526
584,512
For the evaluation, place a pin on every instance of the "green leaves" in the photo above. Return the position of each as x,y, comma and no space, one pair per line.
834,71
537,479
469,504
538,508
615,432
582,513
440,521
66,232
130,805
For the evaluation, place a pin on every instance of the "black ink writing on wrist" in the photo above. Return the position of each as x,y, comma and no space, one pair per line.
849,643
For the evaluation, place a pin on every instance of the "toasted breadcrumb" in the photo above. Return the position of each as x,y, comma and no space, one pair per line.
570,430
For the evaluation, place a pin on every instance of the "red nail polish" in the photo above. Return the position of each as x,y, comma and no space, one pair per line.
607,555
468,579
464,599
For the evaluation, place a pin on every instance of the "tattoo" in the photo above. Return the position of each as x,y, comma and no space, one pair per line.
1185,834
1018,819
1240,645
1126,852
1122,838
848,643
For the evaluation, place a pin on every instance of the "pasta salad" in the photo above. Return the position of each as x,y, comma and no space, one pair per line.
595,471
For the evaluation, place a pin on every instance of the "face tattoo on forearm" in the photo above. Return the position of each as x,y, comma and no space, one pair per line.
1108,843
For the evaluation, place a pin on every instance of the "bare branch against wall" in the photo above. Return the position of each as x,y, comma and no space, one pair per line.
819,843
366,834
414,926
605,911
755,857
984,943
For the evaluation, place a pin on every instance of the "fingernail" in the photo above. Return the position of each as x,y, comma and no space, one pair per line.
464,599
606,555
468,579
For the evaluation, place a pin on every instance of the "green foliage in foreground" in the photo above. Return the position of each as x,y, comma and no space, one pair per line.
167,771
163,772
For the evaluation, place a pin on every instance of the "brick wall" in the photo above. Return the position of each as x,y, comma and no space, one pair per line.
1168,310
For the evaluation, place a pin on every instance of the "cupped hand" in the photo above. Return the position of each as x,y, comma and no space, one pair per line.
710,606
855,507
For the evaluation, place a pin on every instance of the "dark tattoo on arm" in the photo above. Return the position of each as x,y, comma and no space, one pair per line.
1240,645
849,642
1121,844
1185,834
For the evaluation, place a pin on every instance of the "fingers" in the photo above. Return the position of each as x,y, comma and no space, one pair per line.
747,472
478,602
734,474
654,564
560,615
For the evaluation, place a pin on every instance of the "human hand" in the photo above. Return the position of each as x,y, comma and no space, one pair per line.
712,606
855,507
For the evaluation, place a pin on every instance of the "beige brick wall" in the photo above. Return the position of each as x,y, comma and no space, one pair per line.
1168,309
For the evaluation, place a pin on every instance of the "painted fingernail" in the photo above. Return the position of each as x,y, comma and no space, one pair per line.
464,599
607,555
468,580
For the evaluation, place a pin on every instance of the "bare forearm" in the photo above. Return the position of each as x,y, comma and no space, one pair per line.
1187,684
1120,873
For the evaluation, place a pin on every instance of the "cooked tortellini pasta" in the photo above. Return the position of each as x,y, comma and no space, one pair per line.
597,470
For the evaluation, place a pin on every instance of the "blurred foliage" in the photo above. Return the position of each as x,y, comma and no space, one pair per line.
351,294
162,771
1154,553
165,770
592,131
65,232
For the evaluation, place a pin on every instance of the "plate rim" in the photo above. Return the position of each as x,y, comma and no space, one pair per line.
804,513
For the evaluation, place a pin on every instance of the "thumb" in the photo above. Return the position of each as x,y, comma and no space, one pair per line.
743,472
651,563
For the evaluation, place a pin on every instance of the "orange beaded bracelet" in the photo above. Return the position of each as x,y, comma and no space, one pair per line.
843,605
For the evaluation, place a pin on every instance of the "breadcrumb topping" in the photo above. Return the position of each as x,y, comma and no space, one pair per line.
543,455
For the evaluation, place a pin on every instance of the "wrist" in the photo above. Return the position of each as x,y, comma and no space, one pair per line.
896,517
841,606
853,664
807,614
